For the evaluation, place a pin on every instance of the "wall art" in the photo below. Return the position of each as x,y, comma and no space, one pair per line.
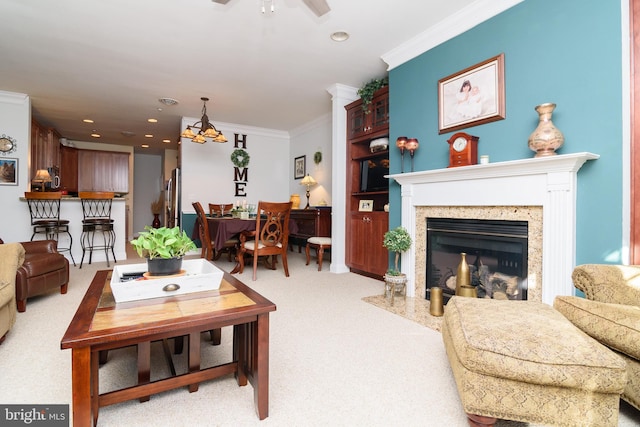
299,167
8,171
473,96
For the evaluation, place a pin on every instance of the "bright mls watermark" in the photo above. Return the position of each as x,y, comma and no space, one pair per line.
34,415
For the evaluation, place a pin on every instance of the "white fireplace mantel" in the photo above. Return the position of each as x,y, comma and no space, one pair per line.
549,182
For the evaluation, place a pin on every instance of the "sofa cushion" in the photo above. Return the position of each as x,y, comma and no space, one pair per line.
615,325
530,342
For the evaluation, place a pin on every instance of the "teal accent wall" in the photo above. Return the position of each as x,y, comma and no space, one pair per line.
188,221
566,52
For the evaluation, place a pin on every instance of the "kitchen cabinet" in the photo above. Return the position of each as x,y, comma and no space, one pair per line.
45,148
69,169
103,171
365,232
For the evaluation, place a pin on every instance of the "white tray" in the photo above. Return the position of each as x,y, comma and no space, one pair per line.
199,275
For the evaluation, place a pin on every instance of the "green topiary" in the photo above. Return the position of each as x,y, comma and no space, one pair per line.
397,240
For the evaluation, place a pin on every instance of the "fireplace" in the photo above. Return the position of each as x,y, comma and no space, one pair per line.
496,251
541,191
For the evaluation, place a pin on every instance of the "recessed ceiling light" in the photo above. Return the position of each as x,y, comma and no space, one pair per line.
95,135
339,36
87,120
168,101
145,145
152,120
166,141
148,135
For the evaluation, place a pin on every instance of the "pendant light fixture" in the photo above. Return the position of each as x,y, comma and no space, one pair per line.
205,128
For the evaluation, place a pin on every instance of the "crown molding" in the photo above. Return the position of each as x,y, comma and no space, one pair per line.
322,121
13,97
450,27
341,91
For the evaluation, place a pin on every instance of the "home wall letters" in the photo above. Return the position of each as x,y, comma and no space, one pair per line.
240,158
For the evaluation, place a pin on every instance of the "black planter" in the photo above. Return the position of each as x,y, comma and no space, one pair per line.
164,266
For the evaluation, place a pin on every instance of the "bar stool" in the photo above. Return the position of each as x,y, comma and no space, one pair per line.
319,244
96,209
44,208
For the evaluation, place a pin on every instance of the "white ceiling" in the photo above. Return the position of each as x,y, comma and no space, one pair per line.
111,60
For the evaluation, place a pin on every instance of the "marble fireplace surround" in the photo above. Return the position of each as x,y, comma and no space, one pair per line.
541,191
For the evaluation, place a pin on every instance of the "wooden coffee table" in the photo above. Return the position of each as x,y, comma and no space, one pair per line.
101,324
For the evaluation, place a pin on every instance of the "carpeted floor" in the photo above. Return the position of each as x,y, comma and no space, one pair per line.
339,356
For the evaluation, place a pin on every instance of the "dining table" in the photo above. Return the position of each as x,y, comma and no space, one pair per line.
222,229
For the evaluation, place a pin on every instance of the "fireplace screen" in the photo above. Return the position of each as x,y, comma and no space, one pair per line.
496,253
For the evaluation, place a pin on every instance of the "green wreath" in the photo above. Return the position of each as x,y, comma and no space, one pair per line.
240,158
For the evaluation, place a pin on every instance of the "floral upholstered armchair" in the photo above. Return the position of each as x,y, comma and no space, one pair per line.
610,313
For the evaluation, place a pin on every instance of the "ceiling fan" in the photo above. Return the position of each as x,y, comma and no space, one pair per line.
319,7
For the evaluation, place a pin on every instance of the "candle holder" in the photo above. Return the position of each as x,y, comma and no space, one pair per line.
411,145
400,143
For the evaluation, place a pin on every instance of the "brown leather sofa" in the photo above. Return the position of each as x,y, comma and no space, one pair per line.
44,270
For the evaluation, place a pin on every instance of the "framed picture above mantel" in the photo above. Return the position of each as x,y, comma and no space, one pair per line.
473,96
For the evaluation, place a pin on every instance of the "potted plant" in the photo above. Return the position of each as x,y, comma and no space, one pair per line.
366,92
164,249
397,240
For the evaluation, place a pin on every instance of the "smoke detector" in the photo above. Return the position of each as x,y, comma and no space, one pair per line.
168,101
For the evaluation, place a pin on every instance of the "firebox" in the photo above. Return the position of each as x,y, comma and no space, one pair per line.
496,251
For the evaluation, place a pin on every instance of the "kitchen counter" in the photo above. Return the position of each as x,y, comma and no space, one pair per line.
71,210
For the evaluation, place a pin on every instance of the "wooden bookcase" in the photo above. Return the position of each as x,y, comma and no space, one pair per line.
365,230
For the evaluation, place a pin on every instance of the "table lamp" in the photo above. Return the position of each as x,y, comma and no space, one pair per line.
308,181
42,176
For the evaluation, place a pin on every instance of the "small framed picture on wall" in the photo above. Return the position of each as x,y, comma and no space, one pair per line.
300,167
8,171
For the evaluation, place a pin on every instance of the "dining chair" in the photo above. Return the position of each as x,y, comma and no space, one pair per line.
44,208
220,209
270,237
208,247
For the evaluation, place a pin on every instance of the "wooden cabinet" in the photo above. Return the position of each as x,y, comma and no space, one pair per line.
45,148
361,124
365,230
69,169
310,222
365,252
103,171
